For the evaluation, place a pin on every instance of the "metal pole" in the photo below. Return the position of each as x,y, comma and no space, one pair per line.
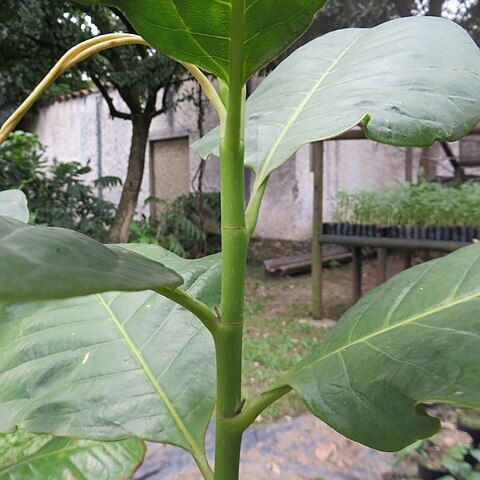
317,160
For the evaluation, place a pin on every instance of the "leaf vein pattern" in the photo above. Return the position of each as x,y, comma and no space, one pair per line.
299,109
28,459
465,274
407,321
196,450
453,331
429,373
61,352
404,294
184,346
289,20
347,377
187,30
165,321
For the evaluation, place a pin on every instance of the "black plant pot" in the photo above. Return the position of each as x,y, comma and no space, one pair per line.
470,233
426,473
471,460
472,431
445,233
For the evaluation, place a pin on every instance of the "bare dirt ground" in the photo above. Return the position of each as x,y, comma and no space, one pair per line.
290,448
301,448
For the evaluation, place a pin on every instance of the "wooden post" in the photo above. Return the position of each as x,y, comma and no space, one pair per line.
381,265
317,164
407,259
357,273
409,165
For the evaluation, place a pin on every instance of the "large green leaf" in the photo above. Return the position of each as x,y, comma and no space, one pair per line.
52,263
25,456
410,81
415,339
113,365
13,203
199,32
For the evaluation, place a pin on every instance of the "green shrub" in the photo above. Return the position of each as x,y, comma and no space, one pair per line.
428,203
181,228
57,194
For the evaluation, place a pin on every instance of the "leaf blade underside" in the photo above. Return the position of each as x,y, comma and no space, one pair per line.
113,365
410,82
52,263
413,340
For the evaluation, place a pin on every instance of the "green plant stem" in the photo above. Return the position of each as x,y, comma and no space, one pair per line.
198,308
227,449
253,208
253,408
228,339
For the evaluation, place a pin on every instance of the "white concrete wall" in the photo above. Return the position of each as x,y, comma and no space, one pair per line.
81,130
349,165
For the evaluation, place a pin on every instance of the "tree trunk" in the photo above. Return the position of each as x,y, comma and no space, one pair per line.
403,7
120,230
435,8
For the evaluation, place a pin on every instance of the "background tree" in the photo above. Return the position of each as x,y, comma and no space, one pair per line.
39,31
340,14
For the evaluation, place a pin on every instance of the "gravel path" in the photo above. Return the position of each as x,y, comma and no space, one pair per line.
302,448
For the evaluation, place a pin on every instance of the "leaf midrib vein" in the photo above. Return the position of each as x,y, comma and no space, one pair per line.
407,321
196,451
300,108
34,457
192,34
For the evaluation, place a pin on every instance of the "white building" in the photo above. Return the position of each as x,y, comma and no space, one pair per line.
78,128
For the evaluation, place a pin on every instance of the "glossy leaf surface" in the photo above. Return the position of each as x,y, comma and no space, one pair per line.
34,456
409,81
415,339
199,32
113,365
52,263
13,203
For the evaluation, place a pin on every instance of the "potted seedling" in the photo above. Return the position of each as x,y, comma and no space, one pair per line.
427,211
445,456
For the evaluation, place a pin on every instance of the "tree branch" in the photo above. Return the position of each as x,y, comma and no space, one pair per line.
142,51
129,94
165,105
113,110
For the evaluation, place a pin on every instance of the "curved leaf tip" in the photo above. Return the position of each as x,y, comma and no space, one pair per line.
53,263
13,203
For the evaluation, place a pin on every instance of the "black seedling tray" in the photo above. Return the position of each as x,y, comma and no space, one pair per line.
437,232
